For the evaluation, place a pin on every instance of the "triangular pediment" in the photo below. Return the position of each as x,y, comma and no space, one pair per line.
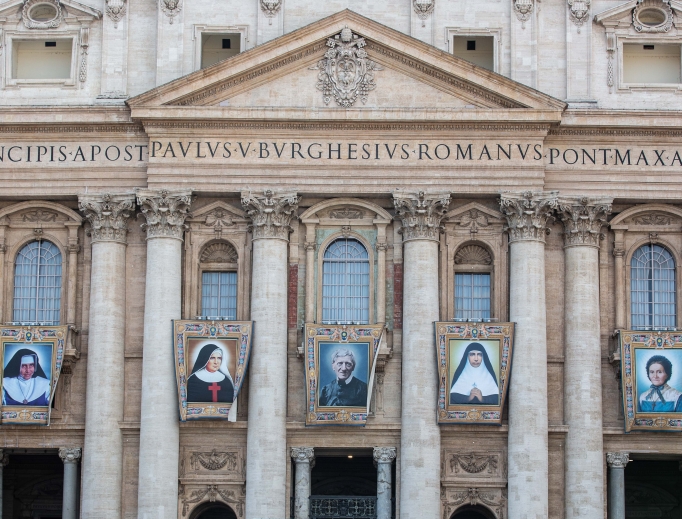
622,15
396,73
69,9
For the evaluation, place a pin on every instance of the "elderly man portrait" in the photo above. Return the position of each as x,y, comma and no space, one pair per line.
346,390
24,381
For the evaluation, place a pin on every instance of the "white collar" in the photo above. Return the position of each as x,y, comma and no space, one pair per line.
20,389
347,380
472,377
207,376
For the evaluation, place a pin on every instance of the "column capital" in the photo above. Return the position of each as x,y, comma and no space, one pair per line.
384,454
165,212
420,214
271,213
70,454
617,460
583,219
528,214
303,454
108,215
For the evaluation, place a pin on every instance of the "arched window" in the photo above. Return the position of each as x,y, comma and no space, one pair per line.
38,283
473,272
652,288
345,282
218,263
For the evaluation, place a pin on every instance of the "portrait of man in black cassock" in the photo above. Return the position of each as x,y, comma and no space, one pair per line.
210,380
24,381
346,390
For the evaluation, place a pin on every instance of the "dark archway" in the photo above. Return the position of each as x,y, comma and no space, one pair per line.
473,512
213,511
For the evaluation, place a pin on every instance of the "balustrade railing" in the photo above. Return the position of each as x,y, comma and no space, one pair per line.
343,507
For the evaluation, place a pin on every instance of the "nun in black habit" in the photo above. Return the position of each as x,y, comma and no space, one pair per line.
475,382
210,380
24,381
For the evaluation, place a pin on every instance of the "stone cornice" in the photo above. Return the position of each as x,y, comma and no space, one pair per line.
421,214
165,212
384,454
617,459
583,219
108,215
270,213
528,214
128,128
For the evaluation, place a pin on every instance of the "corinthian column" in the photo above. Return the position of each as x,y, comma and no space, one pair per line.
617,462
304,458
165,213
103,450
266,441
420,216
583,219
527,217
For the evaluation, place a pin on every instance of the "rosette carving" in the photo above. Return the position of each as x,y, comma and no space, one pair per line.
528,214
108,215
270,213
421,214
583,219
165,212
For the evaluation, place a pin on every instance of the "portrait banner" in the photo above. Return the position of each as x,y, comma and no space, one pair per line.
474,366
651,368
211,358
340,364
32,358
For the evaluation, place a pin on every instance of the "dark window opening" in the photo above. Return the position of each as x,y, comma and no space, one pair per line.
653,488
226,43
217,47
50,43
213,511
32,486
479,50
472,512
648,47
471,44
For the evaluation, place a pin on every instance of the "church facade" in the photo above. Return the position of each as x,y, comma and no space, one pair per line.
298,166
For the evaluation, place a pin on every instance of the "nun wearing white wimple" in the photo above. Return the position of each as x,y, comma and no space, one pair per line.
474,381
24,381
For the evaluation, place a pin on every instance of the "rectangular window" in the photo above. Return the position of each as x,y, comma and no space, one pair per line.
479,50
216,47
219,294
472,296
651,64
42,59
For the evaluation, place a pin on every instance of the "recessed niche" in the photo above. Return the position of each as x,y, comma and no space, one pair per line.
217,47
42,59
651,64
479,50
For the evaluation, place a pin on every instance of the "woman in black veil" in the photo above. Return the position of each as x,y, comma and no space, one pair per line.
210,381
475,382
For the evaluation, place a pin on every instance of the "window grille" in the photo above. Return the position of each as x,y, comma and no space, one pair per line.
38,283
472,296
219,294
652,288
345,282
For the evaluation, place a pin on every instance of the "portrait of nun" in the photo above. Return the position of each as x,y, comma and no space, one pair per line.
210,381
24,381
474,381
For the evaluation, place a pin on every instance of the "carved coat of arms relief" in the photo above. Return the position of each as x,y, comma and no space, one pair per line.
346,72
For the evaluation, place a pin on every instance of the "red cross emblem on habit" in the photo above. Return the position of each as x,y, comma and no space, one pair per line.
214,388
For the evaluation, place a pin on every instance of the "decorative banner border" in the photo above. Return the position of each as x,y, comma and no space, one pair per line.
331,337
666,344
50,338
186,331
503,333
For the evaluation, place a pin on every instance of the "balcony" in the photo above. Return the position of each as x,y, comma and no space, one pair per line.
343,507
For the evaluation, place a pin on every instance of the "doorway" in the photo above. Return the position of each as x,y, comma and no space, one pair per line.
32,486
472,512
213,511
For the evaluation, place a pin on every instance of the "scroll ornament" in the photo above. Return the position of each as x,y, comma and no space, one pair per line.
346,72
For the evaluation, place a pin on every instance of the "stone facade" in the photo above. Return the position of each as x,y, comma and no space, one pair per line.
146,171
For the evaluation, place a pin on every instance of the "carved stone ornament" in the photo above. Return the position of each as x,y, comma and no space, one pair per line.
493,498
219,253
653,219
473,255
212,492
108,215
653,16
528,214
165,212
617,460
583,219
473,463
41,14
579,11
523,10
116,9
424,9
270,213
346,213
421,215
213,460
384,454
346,72
270,8
39,215
171,8
303,454
473,219
69,455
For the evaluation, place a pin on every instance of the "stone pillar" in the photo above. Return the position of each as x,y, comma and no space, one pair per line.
383,457
114,78
381,247
420,216
70,458
583,220
524,42
4,459
527,217
578,53
616,462
310,247
170,39
304,459
103,449
619,274
165,213
266,441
